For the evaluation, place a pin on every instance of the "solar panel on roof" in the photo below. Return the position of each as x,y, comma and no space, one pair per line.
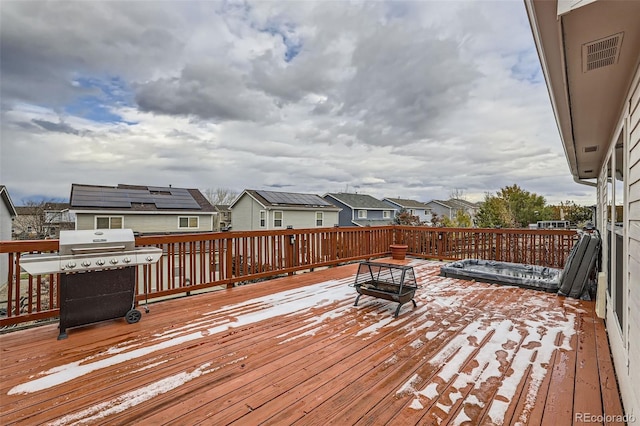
293,198
123,197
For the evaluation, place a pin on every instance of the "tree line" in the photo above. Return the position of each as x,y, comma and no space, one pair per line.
510,207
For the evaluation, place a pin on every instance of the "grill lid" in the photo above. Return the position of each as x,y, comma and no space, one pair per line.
96,241
91,250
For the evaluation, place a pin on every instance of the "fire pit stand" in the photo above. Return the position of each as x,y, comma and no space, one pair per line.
396,283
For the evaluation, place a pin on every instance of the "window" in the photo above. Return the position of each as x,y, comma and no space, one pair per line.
188,222
277,219
386,214
109,222
319,218
362,214
263,218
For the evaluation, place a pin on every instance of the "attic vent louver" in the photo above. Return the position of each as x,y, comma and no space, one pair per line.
601,53
592,148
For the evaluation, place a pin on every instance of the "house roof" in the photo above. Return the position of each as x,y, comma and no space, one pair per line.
4,194
589,52
138,198
442,203
291,200
359,201
462,203
407,204
455,203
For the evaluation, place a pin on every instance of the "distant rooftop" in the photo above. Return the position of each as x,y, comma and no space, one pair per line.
138,198
289,199
359,201
412,204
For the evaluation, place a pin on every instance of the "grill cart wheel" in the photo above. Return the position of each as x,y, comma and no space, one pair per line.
133,316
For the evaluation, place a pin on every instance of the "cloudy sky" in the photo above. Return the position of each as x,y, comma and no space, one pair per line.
399,99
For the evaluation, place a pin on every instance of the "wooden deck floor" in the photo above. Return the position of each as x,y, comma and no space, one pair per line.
296,351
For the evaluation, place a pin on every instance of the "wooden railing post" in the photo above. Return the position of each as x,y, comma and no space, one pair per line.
227,255
498,250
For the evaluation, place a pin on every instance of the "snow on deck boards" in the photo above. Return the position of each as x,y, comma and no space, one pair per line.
296,351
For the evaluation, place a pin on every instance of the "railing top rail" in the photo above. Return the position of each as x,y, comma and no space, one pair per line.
493,230
174,238
27,246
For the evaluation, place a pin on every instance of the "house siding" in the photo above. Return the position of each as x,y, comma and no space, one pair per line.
625,338
307,219
345,215
5,235
148,223
245,215
440,210
423,215
633,232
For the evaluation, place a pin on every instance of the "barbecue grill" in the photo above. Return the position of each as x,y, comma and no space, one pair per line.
97,275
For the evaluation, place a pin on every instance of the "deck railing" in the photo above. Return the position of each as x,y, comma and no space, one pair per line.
194,262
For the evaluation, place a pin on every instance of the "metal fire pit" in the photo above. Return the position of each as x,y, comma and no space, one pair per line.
396,283
97,275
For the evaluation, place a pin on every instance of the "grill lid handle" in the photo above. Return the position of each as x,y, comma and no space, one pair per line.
78,250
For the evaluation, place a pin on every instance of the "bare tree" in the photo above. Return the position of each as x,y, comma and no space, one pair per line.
38,219
457,194
220,196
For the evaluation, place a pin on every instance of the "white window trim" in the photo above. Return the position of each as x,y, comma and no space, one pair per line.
362,214
321,215
189,227
386,214
281,219
95,221
262,224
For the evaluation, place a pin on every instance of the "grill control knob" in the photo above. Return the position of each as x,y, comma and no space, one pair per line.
100,262
71,265
126,260
86,263
113,261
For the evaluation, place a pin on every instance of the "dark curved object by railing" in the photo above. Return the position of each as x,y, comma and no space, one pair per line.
579,268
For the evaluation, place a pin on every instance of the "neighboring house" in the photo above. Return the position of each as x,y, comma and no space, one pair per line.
261,210
361,209
42,220
414,208
7,215
223,217
590,55
144,209
450,208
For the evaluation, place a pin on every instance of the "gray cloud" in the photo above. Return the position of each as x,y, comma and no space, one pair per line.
406,99
56,127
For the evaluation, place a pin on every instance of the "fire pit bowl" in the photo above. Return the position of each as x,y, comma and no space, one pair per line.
396,283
